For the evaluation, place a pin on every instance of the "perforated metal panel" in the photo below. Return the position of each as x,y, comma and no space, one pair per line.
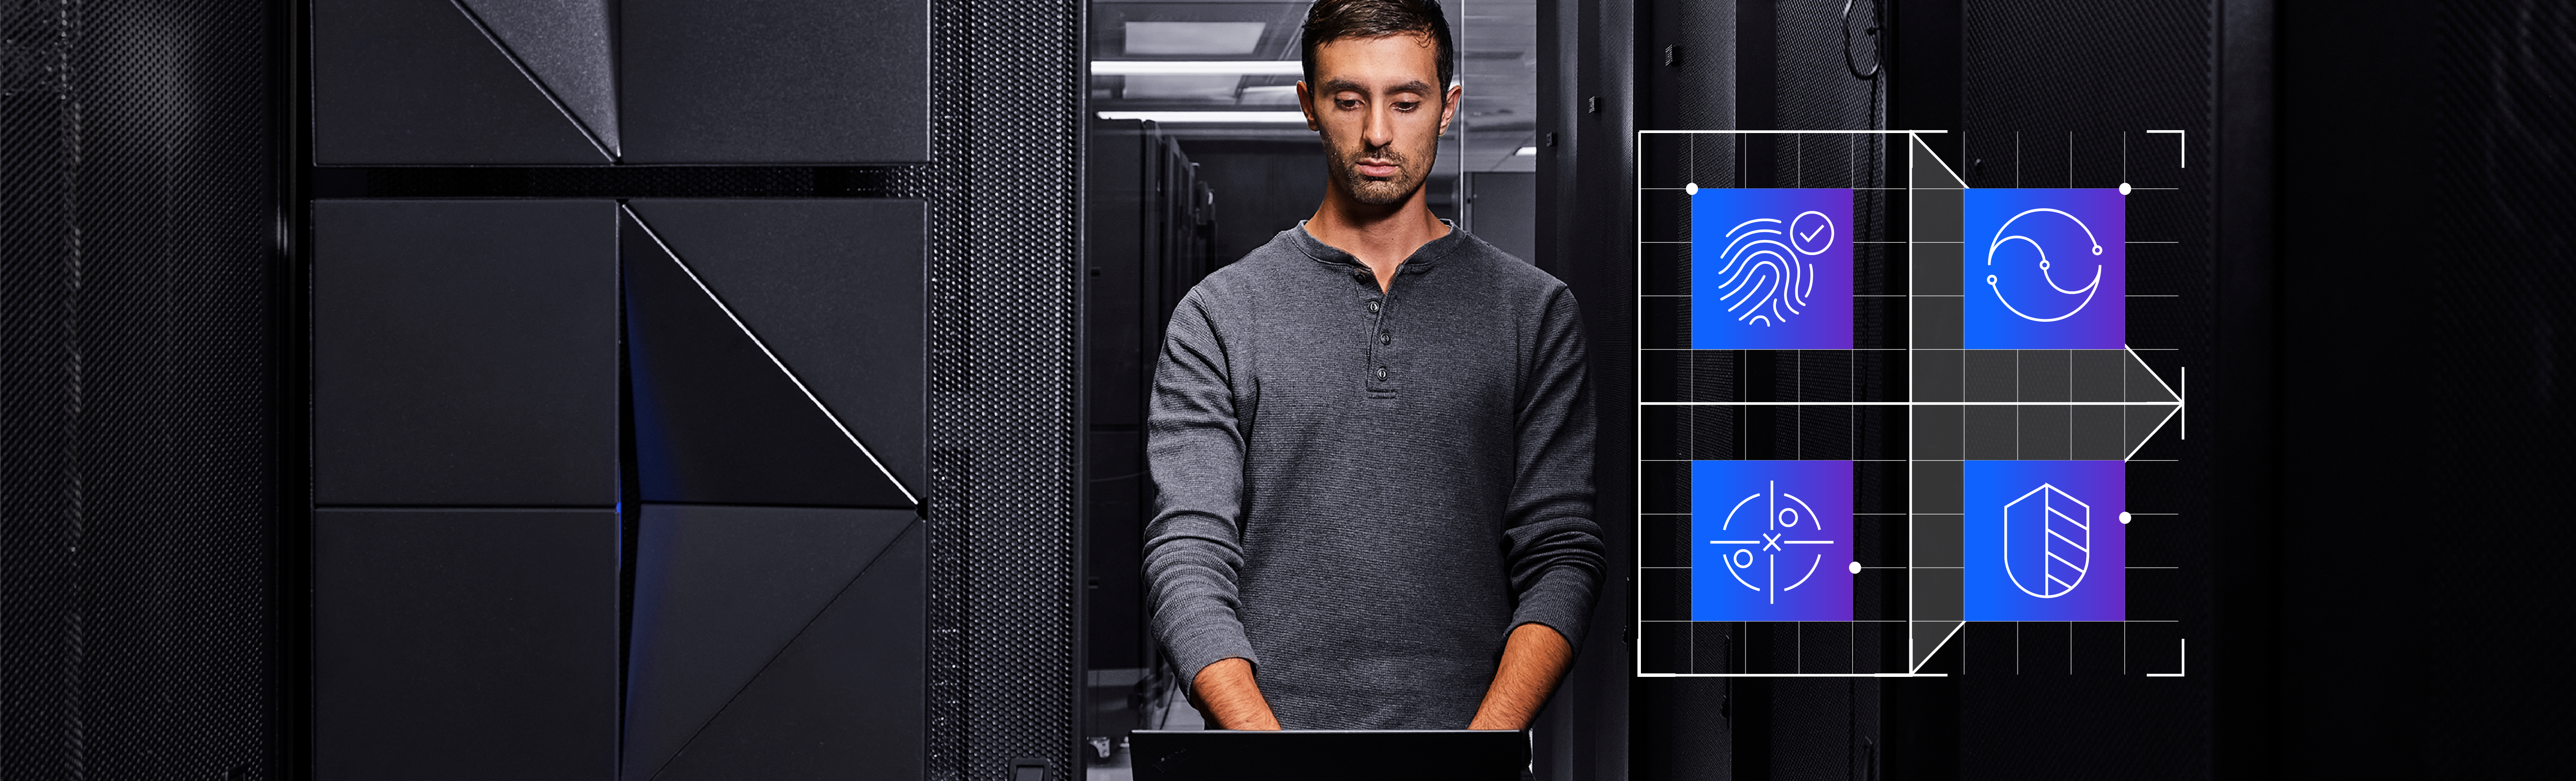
2438,171
2505,109
135,475
2105,76
1004,189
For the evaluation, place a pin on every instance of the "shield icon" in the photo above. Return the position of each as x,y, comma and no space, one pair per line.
2048,541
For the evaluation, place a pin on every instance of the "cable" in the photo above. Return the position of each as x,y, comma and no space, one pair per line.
1878,52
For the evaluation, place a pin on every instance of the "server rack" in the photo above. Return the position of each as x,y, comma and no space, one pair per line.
1152,237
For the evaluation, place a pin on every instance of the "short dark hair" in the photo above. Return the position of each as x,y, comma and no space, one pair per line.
1332,20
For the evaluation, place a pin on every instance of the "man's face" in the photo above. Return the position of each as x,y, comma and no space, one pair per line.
1380,111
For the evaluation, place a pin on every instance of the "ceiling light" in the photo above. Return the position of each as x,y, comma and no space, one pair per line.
1193,37
1266,117
1527,151
1197,67
1220,86
1280,95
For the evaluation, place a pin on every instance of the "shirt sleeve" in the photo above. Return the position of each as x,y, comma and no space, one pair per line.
1553,548
1194,449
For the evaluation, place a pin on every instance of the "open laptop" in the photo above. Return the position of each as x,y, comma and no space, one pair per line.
1305,755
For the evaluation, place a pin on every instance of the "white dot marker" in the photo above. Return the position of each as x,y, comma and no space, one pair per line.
2124,188
1855,568
2124,519
1693,189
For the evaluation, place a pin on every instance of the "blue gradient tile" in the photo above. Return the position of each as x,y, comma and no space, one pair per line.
1771,540
2045,269
2044,541
1771,269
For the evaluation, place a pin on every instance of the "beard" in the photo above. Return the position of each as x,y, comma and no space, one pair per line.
1372,191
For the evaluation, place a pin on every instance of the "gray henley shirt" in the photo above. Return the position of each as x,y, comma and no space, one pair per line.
1364,493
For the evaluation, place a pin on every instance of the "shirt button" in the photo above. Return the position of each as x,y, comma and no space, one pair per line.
1385,339
1372,307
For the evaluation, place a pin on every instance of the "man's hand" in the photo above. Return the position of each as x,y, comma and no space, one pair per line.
1534,657
1225,693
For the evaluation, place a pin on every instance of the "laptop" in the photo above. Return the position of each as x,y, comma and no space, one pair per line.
1305,755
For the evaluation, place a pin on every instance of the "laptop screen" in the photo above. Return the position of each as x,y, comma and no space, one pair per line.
1207,755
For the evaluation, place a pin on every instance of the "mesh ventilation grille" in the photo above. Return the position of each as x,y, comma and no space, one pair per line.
2032,68
135,519
1005,193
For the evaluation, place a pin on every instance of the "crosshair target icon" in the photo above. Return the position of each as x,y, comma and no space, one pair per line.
1784,515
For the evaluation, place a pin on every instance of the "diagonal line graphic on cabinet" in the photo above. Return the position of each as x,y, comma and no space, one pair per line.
640,349
571,70
424,82
774,738
719,592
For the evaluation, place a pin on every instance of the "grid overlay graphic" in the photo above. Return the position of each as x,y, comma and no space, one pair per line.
1907,405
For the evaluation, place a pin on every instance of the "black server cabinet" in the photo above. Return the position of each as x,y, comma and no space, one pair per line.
599,82
323,332
523,408
775,366
466,540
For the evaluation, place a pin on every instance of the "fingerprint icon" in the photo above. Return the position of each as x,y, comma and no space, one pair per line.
1769,273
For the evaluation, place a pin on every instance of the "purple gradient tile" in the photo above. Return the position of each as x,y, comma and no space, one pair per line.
1771,541
2044,541
2045,269
1771,269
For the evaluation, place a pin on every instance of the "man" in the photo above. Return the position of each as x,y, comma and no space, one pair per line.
1373,437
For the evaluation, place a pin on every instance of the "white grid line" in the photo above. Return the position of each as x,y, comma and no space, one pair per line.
2175,403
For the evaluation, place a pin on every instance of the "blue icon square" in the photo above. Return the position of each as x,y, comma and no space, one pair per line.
2044,541
1771,269
2045,269
1771,541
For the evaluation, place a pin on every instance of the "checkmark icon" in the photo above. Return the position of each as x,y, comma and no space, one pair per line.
1811,235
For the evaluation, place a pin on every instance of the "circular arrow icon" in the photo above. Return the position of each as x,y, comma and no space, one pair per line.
1994,280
